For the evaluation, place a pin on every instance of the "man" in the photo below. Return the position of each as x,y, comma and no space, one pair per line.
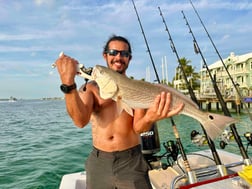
116,161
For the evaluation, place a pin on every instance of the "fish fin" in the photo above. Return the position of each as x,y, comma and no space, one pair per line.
123,106
107,88
119,105
216,123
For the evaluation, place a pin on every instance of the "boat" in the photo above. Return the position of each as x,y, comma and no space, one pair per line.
12,99
175,176
203,173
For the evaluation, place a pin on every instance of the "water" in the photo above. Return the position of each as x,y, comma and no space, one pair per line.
39,143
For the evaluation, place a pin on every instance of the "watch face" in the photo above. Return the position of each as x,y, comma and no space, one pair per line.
67,89
64,88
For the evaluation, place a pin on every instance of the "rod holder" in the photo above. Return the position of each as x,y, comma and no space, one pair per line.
222,170
247,162
192,177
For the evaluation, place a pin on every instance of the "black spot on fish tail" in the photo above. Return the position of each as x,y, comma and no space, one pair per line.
211,117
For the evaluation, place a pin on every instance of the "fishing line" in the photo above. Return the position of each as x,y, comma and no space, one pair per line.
191,92
225,67
171,119
148,49
219,96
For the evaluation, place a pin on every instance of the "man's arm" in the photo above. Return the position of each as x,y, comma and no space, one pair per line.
79,104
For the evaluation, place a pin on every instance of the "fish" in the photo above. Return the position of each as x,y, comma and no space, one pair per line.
137,94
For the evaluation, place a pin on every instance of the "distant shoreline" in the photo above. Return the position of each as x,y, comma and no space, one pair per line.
44,98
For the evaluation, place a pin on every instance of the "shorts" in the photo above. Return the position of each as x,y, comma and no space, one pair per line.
125,169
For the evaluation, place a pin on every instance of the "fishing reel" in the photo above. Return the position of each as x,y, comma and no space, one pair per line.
172,150
226,137
171,155
248,136
85,72
198,139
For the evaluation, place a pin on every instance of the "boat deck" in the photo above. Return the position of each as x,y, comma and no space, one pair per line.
200,162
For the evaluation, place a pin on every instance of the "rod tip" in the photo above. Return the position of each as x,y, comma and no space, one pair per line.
61,54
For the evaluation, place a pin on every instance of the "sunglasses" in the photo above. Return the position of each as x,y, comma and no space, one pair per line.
113,52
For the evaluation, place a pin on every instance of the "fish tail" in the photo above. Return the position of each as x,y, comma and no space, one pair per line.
214,124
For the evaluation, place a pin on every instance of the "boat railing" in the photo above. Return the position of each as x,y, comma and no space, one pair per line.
206,173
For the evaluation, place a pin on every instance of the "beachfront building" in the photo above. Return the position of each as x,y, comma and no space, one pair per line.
239,67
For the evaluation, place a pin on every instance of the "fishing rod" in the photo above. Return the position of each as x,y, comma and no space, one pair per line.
191,174
244,154
193,97
225,67
148,49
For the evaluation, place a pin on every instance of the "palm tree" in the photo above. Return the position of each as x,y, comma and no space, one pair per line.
190,73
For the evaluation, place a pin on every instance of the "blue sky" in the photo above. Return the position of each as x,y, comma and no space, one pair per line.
33,33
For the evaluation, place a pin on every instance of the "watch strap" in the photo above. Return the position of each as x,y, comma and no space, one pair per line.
67,88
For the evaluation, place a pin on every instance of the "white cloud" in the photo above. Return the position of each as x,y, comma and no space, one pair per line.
44,2
32,34
226,37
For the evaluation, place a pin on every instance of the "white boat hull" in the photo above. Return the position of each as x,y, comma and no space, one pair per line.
162,179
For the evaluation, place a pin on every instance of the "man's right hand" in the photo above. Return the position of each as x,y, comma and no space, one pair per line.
66,67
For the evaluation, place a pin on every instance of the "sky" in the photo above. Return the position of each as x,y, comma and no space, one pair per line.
34,32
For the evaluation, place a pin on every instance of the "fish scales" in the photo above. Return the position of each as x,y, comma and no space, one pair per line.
148,92
143,93
132,94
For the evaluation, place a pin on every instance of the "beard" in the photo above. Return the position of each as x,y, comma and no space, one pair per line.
122,64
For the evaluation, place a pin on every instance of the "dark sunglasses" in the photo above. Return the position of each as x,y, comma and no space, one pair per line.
113,52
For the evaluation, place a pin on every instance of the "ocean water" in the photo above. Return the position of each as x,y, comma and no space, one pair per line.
39,143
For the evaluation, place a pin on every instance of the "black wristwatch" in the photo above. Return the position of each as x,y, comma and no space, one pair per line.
67,88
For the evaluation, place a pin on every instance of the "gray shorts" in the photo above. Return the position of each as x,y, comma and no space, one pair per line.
125,169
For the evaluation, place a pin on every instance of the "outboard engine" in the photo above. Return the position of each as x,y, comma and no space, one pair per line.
150,145
150,141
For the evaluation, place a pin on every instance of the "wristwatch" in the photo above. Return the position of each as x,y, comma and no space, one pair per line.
67,88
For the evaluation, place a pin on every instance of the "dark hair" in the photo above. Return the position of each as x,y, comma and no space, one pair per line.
116,38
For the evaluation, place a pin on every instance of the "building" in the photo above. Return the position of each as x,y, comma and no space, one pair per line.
181,84
239,68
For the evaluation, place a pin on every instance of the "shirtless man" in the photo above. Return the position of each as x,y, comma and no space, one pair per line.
116,161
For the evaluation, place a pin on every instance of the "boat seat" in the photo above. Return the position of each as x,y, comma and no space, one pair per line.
161,178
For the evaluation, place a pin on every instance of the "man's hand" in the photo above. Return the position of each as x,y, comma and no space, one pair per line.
67,69
161,108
